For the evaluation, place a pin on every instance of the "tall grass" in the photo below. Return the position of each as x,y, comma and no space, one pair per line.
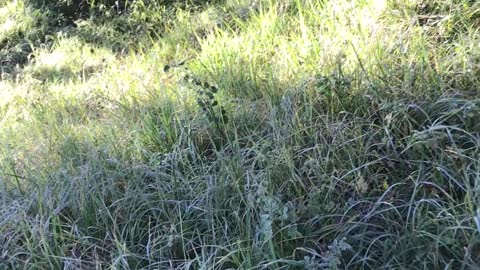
349,137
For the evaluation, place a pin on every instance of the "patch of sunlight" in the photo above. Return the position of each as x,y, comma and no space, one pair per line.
6,93
379,5
11,107
208,17
372,12
71,59
55,58
9,8
236,42
359,13
354,24
7,26
4,11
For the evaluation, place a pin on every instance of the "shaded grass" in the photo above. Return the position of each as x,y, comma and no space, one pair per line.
352,143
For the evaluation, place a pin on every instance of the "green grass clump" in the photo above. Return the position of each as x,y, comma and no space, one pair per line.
241,134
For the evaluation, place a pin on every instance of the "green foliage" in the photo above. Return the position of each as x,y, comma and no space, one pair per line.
205,97
206,100
297,134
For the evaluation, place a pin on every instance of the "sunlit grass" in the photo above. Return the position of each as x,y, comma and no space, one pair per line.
351,137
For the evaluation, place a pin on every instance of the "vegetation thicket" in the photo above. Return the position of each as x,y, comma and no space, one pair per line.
240,134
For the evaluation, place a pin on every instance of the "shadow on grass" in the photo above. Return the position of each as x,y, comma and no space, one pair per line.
66,73
114,25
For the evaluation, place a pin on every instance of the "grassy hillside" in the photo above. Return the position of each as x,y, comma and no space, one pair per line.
293,134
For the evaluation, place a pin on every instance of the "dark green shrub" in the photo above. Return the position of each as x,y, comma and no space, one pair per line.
71,10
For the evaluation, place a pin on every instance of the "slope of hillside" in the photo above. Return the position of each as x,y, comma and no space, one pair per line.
240,134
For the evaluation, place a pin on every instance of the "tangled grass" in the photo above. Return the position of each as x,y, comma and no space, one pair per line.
289,134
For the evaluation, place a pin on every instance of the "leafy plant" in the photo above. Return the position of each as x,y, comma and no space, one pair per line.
205,97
